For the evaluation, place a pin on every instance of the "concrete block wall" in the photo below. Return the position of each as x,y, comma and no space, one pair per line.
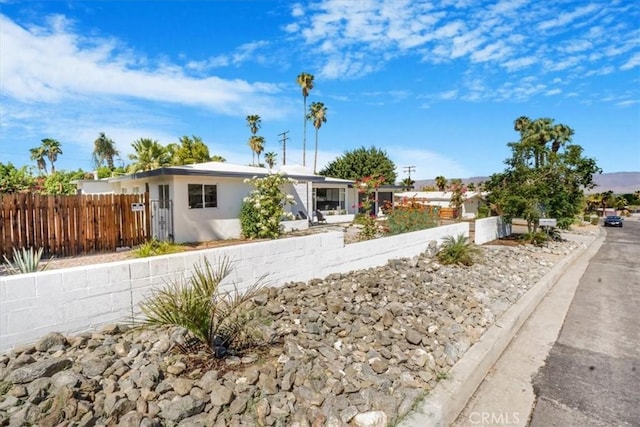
488,229
84,298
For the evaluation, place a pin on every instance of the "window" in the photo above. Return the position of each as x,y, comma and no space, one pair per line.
327,199
163,196
203,196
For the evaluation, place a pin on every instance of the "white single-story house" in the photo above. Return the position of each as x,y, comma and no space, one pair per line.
202,202
472,200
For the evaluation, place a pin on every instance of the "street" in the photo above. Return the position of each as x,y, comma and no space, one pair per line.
592,374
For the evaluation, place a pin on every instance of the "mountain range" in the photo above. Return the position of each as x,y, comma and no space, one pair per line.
618,182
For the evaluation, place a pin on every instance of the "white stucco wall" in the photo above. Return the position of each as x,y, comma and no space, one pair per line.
83,298
488,229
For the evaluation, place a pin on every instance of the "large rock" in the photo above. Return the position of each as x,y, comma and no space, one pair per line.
39,369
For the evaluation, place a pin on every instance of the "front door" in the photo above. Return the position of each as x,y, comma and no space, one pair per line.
162,215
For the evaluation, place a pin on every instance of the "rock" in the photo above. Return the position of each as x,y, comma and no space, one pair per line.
413,337
53,339
94,366
238,405
180,408
221,395
182,386
131,419
370,419
39,369
262,410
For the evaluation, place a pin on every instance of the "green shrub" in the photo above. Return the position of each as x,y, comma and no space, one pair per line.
249,220
457,250
483,211
227,322
536,238
595,220
156,247
25,261
408,218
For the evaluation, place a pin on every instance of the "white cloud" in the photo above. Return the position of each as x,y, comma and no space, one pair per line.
448,95
566,18
633,62
553,92
519,63
54,64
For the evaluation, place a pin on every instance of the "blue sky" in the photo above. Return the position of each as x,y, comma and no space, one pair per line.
435,84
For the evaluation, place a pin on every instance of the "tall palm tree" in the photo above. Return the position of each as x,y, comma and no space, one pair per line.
149,154
52,150
441,182
256,143
104,150
39,154
270,159
305,81
318,116
561,135
254,122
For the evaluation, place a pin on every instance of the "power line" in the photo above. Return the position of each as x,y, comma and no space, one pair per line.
284,146
409,169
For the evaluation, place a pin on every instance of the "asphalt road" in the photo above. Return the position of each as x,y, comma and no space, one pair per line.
592,374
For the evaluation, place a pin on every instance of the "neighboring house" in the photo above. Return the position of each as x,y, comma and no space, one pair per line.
472,200
94,186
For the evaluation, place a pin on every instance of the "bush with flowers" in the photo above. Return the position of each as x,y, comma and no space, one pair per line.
263,209
367,187
457,198
409,215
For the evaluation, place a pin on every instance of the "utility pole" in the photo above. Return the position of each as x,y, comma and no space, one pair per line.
284,146
409,169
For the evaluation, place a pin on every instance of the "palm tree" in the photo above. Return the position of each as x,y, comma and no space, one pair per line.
256,143
149,154
318,115
270,159
561,135
38,154
104,149
52,149
305,81
441,182
254,122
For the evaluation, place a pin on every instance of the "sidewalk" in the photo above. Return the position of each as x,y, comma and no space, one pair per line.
504,393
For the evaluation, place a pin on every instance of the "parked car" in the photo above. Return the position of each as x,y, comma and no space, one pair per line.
613,221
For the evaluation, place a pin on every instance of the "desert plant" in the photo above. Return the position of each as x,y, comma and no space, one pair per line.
535,238
155,247
457,250
552,233
226,321
25,261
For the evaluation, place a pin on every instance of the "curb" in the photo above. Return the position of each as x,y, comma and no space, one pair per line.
447,400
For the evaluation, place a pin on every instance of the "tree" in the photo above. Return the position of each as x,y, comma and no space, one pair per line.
149,154
39,154
318,116
190,150
256,143
441,182
270,159
531,189
407,184
52,150
536,134
104,150
14,180
217,158
254,122
362,162
305,81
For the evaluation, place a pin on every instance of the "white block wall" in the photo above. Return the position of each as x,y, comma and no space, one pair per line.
83,298
488,229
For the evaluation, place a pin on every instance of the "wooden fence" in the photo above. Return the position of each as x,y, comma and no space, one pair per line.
73,225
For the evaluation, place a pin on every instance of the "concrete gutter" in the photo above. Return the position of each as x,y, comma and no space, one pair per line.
447,400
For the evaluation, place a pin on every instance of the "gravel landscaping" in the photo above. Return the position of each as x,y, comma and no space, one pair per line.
356,349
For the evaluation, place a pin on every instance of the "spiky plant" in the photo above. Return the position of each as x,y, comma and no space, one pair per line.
226,321
457,250
25,261
155,247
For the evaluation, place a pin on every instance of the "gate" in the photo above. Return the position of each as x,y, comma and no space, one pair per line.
162,220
